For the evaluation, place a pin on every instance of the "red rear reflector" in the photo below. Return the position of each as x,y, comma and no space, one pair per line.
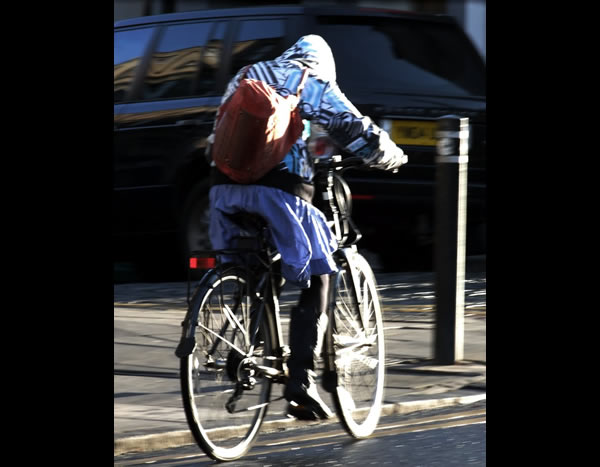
202,263
367,197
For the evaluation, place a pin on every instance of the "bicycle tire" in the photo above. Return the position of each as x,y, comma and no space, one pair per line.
210,374
356,340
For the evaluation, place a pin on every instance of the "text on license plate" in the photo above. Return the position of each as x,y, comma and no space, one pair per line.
414,133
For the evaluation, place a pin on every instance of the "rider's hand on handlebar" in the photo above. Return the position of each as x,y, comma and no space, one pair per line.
391,162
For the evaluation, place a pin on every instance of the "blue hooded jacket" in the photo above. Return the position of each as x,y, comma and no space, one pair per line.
322,102
299,230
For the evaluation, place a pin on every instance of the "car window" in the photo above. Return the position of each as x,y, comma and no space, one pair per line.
185,61
391,55
129,47
256,40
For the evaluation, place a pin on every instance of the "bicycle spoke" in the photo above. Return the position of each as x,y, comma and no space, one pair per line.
368,308
235,323
224,380
349,320
359,349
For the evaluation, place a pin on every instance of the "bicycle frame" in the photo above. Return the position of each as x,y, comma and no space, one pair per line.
334,199
237,303
266,302
336,211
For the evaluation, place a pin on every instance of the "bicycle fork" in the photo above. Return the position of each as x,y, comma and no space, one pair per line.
329,352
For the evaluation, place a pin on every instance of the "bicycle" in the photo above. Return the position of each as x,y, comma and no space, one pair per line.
232,349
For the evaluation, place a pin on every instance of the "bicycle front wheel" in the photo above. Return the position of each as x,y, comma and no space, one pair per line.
224,397
357,342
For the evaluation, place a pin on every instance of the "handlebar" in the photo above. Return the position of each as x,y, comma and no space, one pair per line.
338,163
349,162
353,162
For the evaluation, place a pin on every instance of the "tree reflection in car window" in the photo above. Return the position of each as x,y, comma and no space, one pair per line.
184,63
129,47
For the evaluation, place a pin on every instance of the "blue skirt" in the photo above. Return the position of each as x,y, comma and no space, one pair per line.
298,230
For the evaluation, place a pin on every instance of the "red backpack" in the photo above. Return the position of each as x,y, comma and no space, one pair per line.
255,129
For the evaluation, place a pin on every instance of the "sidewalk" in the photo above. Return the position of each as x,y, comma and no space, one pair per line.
148,412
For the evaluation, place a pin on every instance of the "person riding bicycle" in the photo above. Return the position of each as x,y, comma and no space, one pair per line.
283,197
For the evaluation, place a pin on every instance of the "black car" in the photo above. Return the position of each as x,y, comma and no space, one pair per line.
402,69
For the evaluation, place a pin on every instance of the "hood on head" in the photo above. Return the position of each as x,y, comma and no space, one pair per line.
313,52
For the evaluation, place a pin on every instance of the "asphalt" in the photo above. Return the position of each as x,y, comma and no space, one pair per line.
148,411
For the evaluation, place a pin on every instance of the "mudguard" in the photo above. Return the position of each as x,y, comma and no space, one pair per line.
187,341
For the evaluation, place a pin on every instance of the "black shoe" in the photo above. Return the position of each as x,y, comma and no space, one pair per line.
303,412
305,402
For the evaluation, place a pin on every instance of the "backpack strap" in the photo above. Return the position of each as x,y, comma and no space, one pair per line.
302,82
244,71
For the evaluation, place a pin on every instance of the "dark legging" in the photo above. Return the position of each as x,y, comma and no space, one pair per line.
304,332
316,296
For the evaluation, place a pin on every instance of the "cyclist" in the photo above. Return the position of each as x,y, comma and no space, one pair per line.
283,198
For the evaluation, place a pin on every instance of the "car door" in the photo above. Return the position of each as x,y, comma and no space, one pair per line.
166,116
131,48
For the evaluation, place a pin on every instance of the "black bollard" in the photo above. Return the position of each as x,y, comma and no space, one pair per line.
450,237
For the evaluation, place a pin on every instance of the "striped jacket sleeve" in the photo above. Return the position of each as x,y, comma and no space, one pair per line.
351,130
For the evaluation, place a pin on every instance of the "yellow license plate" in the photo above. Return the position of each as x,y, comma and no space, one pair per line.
415,133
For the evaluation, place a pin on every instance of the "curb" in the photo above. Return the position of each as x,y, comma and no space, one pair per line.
173,439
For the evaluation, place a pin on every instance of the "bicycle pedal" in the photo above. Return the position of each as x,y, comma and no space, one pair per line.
248,383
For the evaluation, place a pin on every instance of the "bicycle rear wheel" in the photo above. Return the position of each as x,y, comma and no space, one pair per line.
224,398
357,342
